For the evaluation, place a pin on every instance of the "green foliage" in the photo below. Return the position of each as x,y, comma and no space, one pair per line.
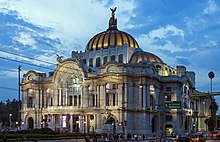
10,107
211,124
42,131
213,107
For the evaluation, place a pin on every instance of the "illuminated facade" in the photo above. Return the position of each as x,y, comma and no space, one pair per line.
114,87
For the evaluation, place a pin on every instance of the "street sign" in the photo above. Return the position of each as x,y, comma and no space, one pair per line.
173,104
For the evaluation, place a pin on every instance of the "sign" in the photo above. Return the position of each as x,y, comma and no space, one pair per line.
173,104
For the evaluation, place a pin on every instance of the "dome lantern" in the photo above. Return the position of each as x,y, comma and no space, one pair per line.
112,37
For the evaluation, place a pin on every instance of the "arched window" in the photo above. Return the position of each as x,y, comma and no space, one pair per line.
120,58
113,58
105,59
30,102
98,60
91,62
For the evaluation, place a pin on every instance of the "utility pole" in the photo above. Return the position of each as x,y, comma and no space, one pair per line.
19,94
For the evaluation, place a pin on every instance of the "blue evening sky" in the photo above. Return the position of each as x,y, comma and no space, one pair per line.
180,32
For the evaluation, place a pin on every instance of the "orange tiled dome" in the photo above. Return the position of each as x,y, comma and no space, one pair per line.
140,55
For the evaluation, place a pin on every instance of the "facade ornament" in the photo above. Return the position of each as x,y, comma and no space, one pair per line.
113,20
59,59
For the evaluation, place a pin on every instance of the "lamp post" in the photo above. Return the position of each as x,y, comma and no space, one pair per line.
10,115
19,100
211,76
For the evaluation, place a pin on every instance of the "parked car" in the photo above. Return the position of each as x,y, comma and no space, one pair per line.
170,139
183,139
197,137
215,134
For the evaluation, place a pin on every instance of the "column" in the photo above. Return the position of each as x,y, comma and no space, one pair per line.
98,95
125,100
25,94
148,95
60,97
44,96
102,95
144,96
85,96
71,123
66,97
52,122
157,95
81,123
61,123
41,99
120,96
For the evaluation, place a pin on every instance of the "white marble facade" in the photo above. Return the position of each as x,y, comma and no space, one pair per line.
119,89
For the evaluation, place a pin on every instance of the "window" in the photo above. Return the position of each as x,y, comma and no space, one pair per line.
98,60
105,59
75,100
113,99
30,102
168,89
169,118
120,58
113,58
70,100
168,98
91,62
84,61
107,99
79,100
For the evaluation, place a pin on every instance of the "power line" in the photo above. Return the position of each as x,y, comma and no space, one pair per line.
35,60
8,88
27,57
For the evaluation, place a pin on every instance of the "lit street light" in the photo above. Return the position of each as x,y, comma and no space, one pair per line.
10,115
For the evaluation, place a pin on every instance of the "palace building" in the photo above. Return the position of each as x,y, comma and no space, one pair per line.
112,87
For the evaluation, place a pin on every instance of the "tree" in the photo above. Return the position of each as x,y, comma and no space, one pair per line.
212,120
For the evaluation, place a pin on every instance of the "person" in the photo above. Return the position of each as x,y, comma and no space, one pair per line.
4,139
143,137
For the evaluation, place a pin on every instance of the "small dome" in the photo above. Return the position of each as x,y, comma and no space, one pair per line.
112,37
144,56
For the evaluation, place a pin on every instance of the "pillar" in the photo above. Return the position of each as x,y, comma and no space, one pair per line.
60,97
144,96
71,123
102,95
61,123
53,122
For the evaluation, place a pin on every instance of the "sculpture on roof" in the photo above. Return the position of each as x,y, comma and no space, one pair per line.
113,20
59,58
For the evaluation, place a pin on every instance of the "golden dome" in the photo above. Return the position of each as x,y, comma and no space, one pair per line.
112,37
140,56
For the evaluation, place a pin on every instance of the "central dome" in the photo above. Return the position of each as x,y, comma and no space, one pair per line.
112,37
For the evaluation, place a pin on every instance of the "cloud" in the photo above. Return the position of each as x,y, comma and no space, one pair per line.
71,21
165,32
210,8
25,39
11,73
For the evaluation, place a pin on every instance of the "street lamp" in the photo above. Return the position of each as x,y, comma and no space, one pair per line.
19,94
211,76
10,115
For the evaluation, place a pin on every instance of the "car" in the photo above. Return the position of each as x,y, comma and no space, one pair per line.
170,139
215,134
183,139
197,137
